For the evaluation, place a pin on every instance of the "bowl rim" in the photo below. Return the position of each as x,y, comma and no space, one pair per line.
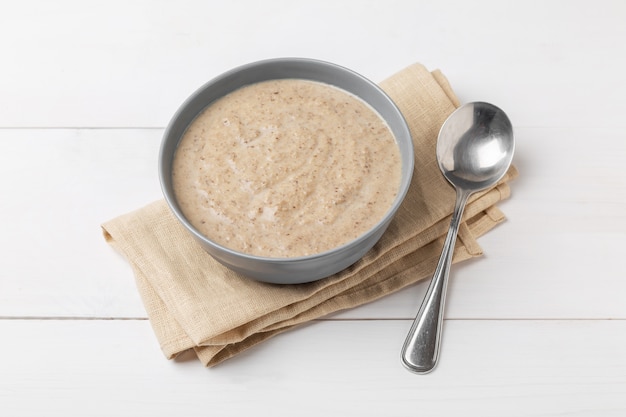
167,138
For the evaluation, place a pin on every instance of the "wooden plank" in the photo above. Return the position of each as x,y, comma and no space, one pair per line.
558,255
72,64
349,368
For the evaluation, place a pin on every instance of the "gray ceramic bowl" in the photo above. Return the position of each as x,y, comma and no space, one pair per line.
298,269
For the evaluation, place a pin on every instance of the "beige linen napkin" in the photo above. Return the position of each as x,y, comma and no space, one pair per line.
193,302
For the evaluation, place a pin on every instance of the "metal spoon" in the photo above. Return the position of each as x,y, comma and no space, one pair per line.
474,150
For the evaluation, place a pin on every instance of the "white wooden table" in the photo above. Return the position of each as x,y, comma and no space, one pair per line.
537,327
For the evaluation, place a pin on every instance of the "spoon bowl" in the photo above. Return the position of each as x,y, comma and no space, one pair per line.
475,146
474,150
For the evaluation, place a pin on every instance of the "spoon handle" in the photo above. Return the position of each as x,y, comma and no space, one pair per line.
421,348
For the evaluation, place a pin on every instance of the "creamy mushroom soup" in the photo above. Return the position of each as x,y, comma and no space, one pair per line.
286,168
